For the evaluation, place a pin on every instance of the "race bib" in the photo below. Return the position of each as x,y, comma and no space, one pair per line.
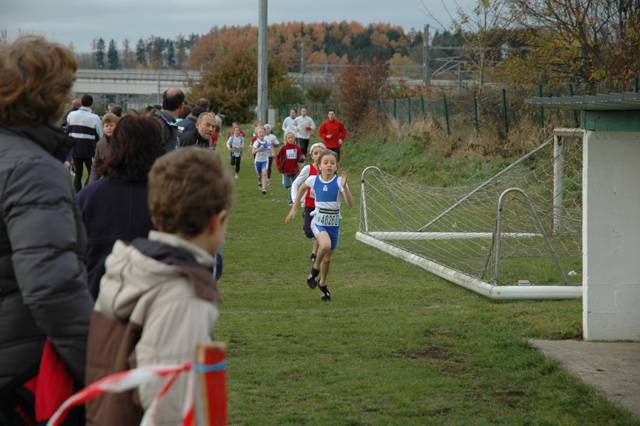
325,219
291,154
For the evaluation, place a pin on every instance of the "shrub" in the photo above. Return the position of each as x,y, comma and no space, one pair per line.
284,94
362,86
318,93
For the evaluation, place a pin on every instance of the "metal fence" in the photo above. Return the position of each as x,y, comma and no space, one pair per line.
499,108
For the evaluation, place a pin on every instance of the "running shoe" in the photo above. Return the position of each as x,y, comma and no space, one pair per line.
326,295
312,281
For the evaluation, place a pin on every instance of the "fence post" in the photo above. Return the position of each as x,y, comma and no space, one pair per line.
505,112
409,109
422,104
395,108
446,115
476,113
636,84
541,118
575,113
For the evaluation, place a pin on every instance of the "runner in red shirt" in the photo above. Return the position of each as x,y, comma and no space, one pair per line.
287,161
333,132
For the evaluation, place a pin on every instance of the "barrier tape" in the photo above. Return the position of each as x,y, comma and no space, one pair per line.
127,380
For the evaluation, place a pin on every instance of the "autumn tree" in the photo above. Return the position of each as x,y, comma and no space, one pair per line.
587,40
362,85
325,42
230,81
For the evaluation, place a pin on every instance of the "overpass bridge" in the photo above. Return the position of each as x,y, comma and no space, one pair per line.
131,88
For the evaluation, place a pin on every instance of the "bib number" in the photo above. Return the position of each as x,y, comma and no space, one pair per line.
328,219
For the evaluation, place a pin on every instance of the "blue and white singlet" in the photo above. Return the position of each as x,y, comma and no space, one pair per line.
327,195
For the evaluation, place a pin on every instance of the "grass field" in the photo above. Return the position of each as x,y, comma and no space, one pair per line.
396,346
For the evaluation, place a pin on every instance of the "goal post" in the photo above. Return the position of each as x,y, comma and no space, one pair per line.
515,235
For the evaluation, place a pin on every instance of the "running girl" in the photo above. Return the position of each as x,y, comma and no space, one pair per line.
262,150
273,140
235,144
309,202
326,188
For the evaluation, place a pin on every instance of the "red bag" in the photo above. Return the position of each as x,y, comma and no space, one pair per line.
53,384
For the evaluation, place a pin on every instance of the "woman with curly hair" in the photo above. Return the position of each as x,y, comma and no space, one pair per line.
44,300
115,206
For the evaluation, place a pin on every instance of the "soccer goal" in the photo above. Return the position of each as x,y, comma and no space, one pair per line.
516,235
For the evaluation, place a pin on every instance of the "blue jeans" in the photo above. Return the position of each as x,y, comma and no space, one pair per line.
287,181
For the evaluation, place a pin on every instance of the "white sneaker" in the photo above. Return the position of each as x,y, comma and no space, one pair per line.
236,176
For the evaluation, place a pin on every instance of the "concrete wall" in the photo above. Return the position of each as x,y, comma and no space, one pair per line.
611,236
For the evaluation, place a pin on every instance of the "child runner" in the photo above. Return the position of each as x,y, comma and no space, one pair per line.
232,130
261,149
309,202
273,140
287,161
235,143
326,188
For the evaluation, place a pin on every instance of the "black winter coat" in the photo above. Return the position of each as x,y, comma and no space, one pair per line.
111,210
43,282
193,138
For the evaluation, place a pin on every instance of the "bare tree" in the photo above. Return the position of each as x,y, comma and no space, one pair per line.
592,39
479,28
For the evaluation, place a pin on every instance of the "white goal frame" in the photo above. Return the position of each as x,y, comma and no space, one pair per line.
378,239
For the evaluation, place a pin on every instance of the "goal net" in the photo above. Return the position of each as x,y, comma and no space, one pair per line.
514,235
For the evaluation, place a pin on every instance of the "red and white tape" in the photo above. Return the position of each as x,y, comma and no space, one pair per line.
127,380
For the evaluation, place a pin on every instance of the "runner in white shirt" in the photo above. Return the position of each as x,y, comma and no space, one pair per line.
304,126
273,140
261,148
287,124
235,144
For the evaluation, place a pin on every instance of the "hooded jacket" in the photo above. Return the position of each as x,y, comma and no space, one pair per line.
43,282
156,302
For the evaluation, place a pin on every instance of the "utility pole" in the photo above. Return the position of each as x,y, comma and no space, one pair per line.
426,66
302,64
263,60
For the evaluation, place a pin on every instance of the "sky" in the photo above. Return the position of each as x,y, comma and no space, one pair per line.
81,21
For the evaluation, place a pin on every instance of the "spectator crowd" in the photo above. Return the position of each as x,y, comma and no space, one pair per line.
111,231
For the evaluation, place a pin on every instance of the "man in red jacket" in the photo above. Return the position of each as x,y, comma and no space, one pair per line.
333,133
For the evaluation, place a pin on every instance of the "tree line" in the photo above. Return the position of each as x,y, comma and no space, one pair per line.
324,43
153,52
513,41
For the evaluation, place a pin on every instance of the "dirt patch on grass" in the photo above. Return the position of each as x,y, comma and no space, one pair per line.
430,352
438,412
509,397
